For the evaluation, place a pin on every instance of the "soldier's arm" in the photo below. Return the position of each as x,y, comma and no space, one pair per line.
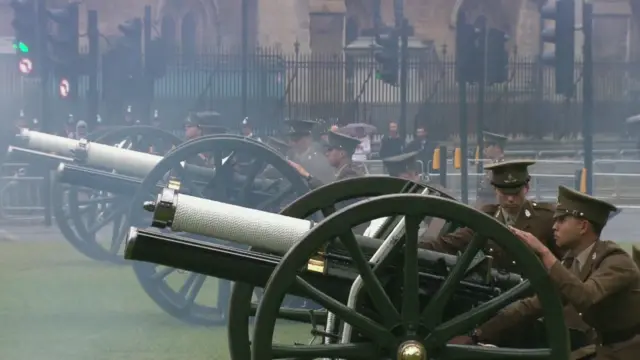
511,316
453,242
314,183
450,243
615,272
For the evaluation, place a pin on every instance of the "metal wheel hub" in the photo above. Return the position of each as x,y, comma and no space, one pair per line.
412,350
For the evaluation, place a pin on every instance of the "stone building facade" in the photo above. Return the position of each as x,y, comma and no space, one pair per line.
323,26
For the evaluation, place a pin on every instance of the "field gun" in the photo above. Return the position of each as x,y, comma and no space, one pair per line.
407,298
119,180
79,212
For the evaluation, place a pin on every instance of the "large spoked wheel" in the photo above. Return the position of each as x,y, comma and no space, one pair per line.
91,220
392,329
323,200
191,297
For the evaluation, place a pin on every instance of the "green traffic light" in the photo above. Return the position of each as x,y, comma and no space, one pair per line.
22,47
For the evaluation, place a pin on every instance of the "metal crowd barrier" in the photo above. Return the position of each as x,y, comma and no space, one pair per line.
21,194
617,181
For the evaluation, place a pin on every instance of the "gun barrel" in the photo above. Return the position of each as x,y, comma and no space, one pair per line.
35,157
92,154
97,179
183,213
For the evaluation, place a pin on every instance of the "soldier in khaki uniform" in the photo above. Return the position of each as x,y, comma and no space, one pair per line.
494,151
510,180
338,151
306,152
404,166
596,278
278,145
636,255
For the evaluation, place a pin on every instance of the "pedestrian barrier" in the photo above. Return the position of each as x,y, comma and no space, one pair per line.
21,194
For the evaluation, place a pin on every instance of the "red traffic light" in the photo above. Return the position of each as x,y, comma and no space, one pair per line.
64,88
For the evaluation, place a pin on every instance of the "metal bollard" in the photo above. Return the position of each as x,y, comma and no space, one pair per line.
443,166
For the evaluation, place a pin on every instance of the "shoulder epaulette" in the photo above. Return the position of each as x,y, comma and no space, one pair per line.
543,205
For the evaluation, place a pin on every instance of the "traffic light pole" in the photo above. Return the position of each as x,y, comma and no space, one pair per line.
245,57
587,93
404,62
45,117
92,65
462,105
482,83
148,81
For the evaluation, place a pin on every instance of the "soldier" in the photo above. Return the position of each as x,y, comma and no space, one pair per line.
597,279
636,255
510,180
278,145
203,123
128,116
155,121
70,127
494,151
306,153
339,150
281,148
247,130
403,166
82,130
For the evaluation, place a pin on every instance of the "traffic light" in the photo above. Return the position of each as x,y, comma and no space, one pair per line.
468,52
63,41
388,57
26,33
130,46
497,57
561,35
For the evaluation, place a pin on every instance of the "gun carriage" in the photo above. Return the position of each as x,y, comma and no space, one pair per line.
81,213
384,297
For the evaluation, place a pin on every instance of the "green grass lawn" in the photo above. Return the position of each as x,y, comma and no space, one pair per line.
56,304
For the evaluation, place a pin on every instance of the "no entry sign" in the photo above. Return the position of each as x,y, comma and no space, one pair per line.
64,88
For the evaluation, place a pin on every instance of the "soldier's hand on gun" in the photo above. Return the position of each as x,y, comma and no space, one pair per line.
299,169
533,242
461,340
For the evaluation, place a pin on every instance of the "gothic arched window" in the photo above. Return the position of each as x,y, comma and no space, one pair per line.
188,38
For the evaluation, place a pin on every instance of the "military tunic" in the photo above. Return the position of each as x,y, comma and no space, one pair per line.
534,217
605,293
316,163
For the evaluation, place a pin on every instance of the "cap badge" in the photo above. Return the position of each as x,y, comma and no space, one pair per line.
527,213
510,179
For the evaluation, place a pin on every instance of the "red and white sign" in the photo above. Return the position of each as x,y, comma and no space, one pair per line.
25,65
64,88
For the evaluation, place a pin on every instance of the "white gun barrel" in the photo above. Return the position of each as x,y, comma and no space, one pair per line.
268,231
128,162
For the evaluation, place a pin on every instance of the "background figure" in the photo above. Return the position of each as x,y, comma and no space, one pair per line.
363,150
391,144
423,146
81,130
